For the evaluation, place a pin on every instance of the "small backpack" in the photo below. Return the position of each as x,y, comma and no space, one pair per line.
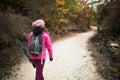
35,46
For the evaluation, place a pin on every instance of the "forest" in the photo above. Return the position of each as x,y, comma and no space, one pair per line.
107,40
62,18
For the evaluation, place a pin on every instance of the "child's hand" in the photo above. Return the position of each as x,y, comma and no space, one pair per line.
51,59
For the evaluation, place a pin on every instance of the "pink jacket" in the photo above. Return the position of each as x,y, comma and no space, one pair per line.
46,43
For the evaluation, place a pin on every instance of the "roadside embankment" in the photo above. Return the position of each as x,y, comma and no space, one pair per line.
107,54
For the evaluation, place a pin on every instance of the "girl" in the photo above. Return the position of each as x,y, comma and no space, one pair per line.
39,60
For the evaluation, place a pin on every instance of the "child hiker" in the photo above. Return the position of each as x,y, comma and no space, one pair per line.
39,37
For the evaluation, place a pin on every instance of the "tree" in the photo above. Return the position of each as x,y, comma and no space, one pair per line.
83,18
109,18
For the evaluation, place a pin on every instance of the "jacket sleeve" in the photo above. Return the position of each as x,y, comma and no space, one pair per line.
49,46
28,41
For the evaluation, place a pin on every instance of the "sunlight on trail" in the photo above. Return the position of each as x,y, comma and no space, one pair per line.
72,61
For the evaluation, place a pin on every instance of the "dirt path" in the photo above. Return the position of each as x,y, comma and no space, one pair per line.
72,61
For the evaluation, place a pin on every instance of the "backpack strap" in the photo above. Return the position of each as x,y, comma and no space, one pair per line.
40,38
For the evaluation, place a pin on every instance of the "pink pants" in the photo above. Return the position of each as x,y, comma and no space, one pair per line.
39,69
